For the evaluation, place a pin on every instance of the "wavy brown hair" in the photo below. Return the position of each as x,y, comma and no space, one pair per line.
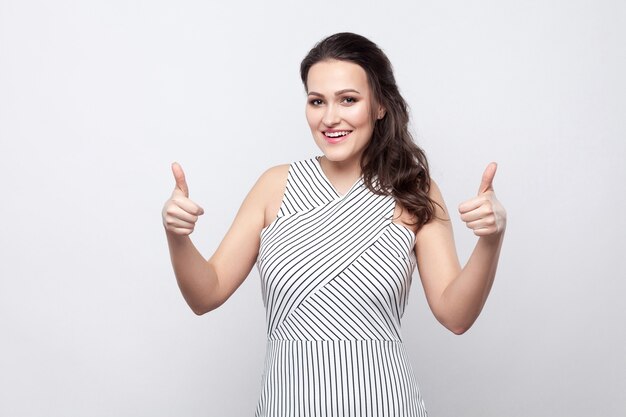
392,163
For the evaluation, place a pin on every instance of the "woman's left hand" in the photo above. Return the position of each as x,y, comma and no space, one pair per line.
484,214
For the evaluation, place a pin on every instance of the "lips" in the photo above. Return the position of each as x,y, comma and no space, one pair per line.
336,136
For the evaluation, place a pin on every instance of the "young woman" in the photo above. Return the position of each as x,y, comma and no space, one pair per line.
336,239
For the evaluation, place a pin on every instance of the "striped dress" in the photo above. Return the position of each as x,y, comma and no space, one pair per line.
335,277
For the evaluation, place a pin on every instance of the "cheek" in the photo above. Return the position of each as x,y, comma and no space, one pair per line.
312,116
358,116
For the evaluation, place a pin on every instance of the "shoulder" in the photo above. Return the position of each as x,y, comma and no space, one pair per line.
270,187
274,177
402,216
440,221
277,170
434,192
441,211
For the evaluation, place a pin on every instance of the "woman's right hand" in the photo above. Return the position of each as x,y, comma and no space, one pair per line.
179,212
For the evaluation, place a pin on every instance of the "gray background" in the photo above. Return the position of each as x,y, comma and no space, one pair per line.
98,98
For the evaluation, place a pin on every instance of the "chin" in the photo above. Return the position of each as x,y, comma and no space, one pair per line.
337,155
339,152
332,153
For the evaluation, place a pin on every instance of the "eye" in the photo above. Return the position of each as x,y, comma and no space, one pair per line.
315,102
350,100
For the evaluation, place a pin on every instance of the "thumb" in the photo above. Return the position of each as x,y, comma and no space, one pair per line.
179,175
486,184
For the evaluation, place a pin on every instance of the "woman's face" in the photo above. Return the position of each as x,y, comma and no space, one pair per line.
338,109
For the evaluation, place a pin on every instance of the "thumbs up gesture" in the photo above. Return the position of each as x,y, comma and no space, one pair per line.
179,212
484,214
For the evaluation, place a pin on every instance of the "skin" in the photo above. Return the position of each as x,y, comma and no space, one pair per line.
339,98
455,294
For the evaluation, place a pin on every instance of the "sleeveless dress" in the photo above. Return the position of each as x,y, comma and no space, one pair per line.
335,276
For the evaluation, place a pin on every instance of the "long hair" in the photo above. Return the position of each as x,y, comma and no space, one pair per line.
392,163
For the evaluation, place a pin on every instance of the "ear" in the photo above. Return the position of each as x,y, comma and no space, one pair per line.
381,112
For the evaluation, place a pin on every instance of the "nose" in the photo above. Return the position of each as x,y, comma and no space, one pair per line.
331,115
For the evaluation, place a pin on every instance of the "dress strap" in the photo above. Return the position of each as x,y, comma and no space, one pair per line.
306,188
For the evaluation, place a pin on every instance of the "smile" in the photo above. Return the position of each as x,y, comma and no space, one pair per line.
336,137
337,134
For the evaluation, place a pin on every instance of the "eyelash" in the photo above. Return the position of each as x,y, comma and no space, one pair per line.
312,102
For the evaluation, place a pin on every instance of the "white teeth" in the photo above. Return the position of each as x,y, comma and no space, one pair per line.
336,134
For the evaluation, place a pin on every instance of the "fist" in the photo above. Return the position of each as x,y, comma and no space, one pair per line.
484,214
179,212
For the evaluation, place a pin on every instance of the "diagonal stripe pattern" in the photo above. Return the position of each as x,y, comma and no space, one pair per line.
335,277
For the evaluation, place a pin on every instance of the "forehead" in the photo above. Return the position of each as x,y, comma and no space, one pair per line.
333,75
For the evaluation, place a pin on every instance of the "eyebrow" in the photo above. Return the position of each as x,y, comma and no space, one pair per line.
347,90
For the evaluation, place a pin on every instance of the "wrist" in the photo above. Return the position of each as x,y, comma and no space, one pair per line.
175,238
494,238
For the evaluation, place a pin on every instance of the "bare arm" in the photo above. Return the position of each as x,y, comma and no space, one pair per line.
466,295
196,281
457,295
206,285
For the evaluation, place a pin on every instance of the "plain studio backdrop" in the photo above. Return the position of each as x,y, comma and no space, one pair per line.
98,98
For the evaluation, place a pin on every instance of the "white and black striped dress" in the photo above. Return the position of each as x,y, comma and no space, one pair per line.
335,277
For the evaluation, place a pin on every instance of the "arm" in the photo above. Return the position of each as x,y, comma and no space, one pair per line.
457,295
191,271
207,284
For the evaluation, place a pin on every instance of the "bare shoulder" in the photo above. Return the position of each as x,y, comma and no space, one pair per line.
271,185
273,180
275,176
440,223
402,216
435,194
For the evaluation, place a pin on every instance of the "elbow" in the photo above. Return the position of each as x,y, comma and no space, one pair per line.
458,327
202,304
459,330
201,309
198,307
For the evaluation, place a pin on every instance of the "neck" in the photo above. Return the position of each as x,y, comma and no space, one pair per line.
343,174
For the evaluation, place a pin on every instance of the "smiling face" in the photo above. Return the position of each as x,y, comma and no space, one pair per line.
338,109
